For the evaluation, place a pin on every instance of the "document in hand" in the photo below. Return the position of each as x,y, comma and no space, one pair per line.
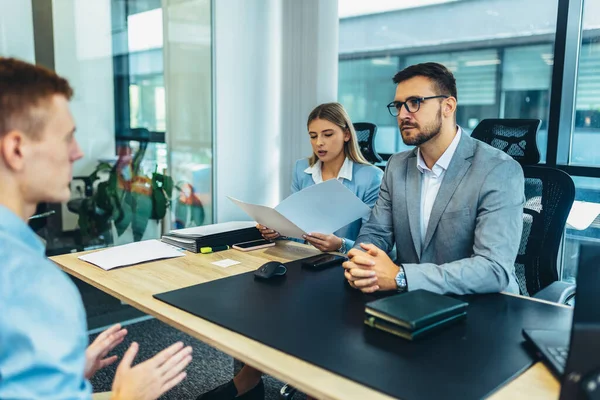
322,208
132,253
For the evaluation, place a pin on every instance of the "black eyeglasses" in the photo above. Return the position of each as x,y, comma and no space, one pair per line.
411,105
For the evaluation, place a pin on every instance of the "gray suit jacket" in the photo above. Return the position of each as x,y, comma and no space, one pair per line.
475,226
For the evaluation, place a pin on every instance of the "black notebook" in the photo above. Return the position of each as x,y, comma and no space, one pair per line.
414,313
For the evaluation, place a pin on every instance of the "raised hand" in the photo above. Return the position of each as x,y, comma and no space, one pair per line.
96,352
152,378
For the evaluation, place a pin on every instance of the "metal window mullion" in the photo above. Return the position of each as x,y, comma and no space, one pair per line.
564,81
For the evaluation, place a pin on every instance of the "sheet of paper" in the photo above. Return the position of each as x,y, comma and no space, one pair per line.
583,214
225,263
132,253
269,217
322,208
213,229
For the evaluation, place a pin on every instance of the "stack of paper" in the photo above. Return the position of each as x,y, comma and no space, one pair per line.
132,253
226,233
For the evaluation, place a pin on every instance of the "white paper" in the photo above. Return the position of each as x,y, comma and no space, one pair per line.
213,229
132,253
269,217
225,263
583,214
322,208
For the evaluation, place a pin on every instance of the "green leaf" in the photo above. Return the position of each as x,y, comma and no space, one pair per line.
84,217
159,204
103,198
124,220
142,211
112,181
137,159
100,168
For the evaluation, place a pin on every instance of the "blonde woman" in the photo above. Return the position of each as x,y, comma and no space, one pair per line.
335,156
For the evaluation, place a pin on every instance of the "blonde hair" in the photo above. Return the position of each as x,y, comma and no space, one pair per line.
336,114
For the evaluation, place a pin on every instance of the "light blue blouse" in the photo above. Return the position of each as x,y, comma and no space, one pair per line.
364,182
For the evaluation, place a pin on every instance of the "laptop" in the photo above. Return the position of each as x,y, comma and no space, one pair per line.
574,356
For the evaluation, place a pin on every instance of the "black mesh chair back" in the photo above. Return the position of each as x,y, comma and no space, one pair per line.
549,194
515,137
365,133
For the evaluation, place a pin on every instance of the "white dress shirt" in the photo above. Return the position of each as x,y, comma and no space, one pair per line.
345,171
431,180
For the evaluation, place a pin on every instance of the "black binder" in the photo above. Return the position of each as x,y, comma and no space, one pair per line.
194,242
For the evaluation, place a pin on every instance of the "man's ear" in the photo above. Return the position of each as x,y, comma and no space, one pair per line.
12,151
449,106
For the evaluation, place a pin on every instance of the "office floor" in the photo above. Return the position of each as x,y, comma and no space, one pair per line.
208,369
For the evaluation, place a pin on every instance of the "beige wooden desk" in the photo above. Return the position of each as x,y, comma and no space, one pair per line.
135,285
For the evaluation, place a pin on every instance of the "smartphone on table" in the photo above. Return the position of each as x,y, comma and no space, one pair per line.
253,245
322,261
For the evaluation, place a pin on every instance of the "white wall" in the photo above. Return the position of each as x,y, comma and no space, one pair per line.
275,60
309,75
83,55
16,30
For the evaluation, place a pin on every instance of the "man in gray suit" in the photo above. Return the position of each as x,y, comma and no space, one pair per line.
453,206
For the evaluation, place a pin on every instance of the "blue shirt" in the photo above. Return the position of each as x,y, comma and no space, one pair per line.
364,182
43,328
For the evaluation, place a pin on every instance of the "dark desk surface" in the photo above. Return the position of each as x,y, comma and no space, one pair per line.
135,285
317,317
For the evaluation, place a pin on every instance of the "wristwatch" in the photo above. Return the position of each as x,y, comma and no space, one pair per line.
401,280
342,248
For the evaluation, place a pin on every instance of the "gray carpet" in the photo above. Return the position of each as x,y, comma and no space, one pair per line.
208,369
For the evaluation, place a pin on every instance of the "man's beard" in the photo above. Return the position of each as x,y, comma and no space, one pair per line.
425,134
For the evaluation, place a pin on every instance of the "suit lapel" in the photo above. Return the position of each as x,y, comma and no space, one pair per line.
413,201
456,171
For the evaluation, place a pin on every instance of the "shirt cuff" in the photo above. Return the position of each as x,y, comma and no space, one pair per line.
348,245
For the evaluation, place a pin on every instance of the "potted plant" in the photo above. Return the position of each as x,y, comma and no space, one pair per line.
127,198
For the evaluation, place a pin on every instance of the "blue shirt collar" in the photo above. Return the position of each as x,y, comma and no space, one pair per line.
17,228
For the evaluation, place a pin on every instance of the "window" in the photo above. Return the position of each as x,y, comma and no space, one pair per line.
502,60
587,201
584,157
142,32
526,77
586,136
364,90
122,57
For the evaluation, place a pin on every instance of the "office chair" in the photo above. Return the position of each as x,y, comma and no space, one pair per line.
86,190
365,134
549,194
74,205
516,137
